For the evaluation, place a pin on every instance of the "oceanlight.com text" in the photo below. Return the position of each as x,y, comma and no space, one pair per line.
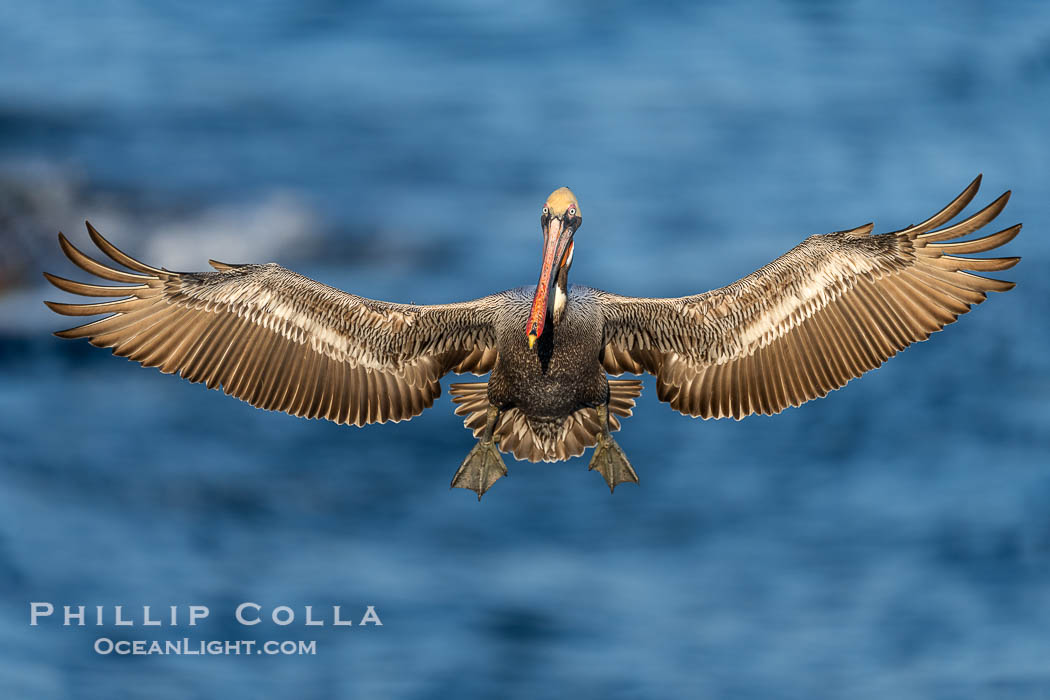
214,647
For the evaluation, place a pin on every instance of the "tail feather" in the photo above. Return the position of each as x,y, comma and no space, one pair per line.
514,433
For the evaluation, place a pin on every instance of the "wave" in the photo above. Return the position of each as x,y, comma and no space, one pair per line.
38,199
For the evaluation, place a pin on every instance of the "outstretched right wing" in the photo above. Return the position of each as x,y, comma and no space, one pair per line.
829,310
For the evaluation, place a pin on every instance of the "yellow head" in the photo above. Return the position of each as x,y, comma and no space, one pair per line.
561,201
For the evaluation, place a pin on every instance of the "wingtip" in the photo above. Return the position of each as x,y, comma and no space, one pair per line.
970,191
53,279
98,239
1010,262
1000,202
66,245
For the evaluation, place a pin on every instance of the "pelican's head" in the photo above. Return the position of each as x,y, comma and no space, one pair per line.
560,218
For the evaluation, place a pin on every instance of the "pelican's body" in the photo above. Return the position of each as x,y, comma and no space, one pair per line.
829,310
562,373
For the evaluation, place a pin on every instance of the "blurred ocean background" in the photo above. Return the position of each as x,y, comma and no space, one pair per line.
889,541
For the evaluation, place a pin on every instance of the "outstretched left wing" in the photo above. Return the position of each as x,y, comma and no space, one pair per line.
833,308
278,340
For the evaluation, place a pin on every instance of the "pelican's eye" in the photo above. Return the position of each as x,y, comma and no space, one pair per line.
572,211
546,211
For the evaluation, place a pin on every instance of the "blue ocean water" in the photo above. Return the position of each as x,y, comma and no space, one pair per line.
890,540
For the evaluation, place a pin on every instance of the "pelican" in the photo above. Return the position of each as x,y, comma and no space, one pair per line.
829,310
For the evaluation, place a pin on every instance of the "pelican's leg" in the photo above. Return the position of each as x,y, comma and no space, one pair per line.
609,460
483,466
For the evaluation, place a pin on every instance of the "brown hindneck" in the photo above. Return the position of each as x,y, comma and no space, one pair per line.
561,294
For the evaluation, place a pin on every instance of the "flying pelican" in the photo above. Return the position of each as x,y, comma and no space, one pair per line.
829,310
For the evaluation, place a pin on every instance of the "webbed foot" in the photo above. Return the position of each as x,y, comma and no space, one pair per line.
610,461
481,469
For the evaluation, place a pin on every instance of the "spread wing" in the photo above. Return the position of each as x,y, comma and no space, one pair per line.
833,308
278,340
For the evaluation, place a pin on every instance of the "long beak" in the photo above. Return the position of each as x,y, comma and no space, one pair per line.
556,239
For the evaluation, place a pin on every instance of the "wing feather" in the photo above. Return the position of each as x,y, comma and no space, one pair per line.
826,312
276,339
